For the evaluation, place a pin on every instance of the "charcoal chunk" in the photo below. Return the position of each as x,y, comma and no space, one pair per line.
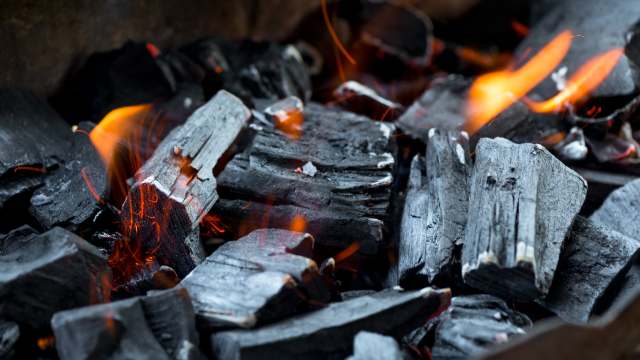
345,201
523,201
372,346
161,326
363,100
621,210
74,194
9,334
436,207
54,271
354,294
16,239
176,187
593,262
259,278
149,278
328,333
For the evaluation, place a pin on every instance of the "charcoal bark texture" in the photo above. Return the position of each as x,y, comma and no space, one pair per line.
474,323
328,333
161,326
593,263
613,336
436,207
345,201
55,271
523,202
9,334
253,70
372,346
75,193
16,239
363,100
610,24
621,210
259,278
176,187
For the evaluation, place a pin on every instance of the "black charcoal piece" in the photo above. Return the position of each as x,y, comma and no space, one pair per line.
436,207
9,334
176,187
76,193
613,336
259,278
593,263
474,323
329,332
621,210
345,201
16,239
161,326
609,24
523,201
372,346
353,294
55,271
363,100
148,278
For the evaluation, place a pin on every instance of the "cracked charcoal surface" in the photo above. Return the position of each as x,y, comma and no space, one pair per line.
521,198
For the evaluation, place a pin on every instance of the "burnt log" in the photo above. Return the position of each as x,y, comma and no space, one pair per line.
176,188
593,263
259,278
621,209
372,346
55,271
435,211
523,201
344,201
16,239
77,192
328,333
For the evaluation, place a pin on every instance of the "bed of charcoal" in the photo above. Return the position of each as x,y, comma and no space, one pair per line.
245,199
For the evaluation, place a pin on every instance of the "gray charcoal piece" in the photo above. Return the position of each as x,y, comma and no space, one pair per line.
345,201
593,263
372,346
9,334
435,211
70,195
354,294
16,239
473,324
176,187
621,210
161,326
328,333
20,184
523,202
363,100
55,271
259,278
609,24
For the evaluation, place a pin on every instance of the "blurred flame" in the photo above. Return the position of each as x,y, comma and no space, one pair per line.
299,223
45,342
290,122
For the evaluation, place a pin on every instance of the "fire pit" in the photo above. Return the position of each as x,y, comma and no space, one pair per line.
365,179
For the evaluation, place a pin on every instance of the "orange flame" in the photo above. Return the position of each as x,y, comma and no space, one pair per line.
299,223
494,92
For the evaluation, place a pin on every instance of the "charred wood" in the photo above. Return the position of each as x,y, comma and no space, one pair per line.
621,210
435,210
593,263
523,201
329,331
150,278
16,239
176,188
44,266
262,277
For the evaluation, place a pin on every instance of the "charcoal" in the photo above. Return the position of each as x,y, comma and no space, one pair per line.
363,100
353,294
523,201
54,271
260,278
593,262
608,25
328,333
611,148
76,193
629,286
436,207
176,188
621,209
474,323
149,278
251,69
442,107
345,201
613,336
16,239
601,185
161,326
9,334
372,346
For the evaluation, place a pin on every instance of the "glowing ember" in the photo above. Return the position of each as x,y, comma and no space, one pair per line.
299,223
30,169
45,342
